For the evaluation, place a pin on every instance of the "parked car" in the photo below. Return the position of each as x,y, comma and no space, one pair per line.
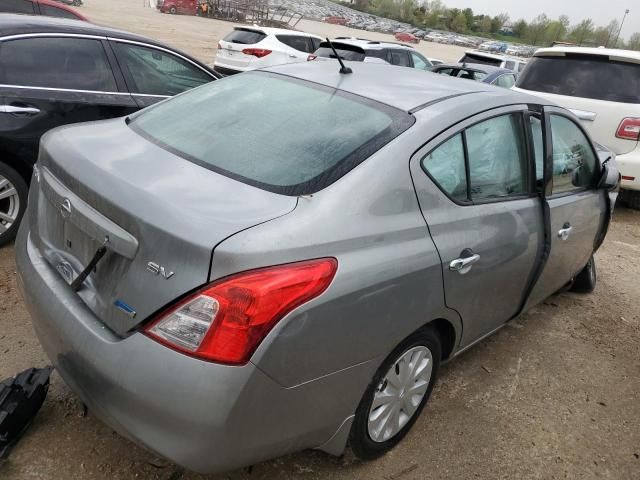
185,7
493,46
358,50
406,37
500,77
48,8
602,87
494,59
249,48
54,72
220,283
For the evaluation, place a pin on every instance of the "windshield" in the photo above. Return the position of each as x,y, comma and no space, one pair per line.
481,59
281,134
346,52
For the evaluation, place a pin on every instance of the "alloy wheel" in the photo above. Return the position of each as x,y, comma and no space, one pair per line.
9,204
400,393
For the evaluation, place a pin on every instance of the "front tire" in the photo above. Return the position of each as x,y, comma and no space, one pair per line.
585,281
173,10
13,202
397,394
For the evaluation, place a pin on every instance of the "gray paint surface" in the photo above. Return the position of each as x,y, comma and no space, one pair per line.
391,229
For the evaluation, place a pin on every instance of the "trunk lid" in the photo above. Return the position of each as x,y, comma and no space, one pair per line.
162,214
230,48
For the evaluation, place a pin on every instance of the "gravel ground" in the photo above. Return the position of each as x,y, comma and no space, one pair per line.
554,395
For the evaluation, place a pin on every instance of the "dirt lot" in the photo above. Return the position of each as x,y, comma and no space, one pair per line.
556,394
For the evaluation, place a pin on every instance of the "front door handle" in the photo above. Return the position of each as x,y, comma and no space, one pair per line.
19,110
565,231
463,265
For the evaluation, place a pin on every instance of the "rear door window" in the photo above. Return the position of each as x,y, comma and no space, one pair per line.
400,58
154,72
67,63
574,161
586,76
245,36
446,166
255,127
297,42
16,6
505,81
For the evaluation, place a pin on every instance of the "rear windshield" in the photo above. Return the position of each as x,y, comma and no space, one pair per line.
346,52
481,59
281,134
244,36
586,76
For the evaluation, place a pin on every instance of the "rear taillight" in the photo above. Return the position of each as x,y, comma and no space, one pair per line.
226,321
219,46
256,52
629,129
311,57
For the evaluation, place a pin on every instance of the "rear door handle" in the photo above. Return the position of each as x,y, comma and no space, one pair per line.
463,265
565,231
19,110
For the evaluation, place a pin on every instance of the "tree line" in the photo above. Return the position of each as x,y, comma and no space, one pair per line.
540,31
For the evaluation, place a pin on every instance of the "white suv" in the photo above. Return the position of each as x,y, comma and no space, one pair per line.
251,47
602,87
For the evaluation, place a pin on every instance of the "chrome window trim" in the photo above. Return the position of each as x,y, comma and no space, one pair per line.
72,90
52,34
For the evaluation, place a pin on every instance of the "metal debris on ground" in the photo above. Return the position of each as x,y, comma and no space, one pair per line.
20,399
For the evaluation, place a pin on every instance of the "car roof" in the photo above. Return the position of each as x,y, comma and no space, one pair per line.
612,53
370,44
275,31
15,24
403,88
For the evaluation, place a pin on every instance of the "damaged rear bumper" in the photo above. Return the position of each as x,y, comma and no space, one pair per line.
204,416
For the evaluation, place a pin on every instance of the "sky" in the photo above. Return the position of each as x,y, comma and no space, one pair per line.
600,11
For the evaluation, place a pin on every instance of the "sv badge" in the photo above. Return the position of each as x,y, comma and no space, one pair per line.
159,270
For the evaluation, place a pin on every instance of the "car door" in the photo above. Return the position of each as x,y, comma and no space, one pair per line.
576,208
48,81
475,189
154,73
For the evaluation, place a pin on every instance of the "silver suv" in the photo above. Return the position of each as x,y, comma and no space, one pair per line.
281,260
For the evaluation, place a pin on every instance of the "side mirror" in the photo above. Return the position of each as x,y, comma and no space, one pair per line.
610,177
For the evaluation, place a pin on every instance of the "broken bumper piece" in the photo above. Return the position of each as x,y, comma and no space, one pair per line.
20,399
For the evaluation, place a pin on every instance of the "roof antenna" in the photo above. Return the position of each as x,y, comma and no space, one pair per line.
343,68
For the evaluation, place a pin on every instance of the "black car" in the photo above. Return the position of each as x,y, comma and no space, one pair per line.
501,77
55,72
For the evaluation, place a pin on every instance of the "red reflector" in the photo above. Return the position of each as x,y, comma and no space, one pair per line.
227,320
629,129
256,52
625,177
311,57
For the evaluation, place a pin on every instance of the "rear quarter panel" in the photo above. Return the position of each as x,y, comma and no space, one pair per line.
389,279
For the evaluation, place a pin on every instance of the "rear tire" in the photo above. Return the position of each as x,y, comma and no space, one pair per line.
585,281
173,10
12,207
631,198
369,422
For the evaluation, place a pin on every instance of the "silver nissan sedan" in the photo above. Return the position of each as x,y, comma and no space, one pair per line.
282,259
